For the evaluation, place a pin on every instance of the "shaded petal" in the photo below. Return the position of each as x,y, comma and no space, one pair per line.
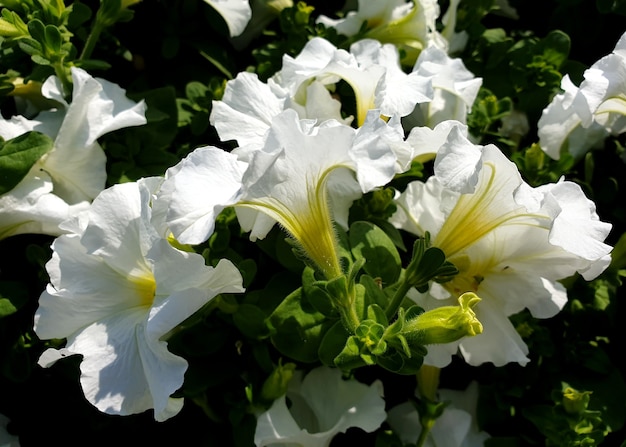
121,373
314,419
31,207
119,230
236,14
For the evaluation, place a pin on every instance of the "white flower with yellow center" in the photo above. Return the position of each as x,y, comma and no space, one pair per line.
408,25
371,69
305,177
68,177
582,117
510,242
323,404
116,290
286,181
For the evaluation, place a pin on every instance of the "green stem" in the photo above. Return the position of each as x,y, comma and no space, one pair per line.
397,298
66,81
427,425
93,37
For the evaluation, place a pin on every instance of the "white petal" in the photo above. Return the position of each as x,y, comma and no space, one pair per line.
50,356
458,162
202,185
246,110
499,342
236,14
119,231
83,290
353,405
121,373
31,207
418,208
77,163
426,142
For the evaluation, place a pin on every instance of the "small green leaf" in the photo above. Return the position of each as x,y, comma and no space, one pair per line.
17,157
53,39
382,259
30,46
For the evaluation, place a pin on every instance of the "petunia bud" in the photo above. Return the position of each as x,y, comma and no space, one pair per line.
276,384
445,324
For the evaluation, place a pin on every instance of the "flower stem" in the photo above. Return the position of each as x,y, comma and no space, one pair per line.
398,297
93,37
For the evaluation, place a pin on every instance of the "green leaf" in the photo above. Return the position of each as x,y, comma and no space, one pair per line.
53,39
250,320
17,157
371,243
13,296
333,343
556,48
30,46
298,328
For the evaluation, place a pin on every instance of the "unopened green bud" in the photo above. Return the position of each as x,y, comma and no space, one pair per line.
276,384
446,324
574,401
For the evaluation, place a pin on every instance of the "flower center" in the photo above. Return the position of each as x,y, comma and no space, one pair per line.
145,288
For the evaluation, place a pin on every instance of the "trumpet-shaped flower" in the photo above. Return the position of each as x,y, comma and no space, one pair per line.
116,290
236,14
407,25
370,68
289,180
65,179
581,117
456,427
510,242
323,404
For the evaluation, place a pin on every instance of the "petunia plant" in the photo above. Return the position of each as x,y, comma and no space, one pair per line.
235,223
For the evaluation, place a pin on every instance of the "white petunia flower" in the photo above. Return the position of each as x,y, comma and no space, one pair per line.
510,242
456,427
236,14
579,118
323,404
371,69
116,290
291,179
65,179
409,26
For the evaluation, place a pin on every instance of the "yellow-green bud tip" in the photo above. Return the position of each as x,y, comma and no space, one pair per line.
446,324
276,384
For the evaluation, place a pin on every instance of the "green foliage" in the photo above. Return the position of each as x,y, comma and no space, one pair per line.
524,68
243,349
569,422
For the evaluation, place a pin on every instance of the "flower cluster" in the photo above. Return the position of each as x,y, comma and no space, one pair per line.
352,217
